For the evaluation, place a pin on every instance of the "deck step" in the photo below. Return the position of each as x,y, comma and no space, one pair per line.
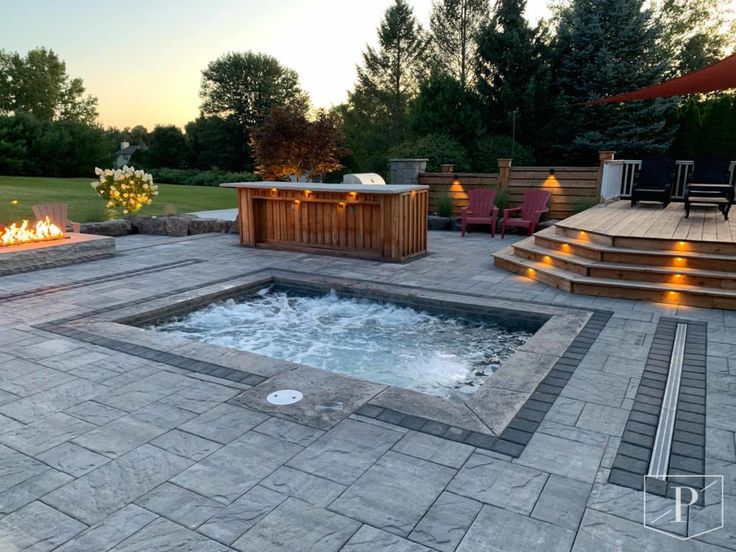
664,292
622,271
550,239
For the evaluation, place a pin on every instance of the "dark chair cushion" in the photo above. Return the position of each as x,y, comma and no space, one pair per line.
711,170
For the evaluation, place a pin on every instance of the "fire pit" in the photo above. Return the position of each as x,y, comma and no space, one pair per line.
44,230
25,247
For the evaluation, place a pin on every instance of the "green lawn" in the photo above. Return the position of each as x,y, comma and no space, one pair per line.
86,206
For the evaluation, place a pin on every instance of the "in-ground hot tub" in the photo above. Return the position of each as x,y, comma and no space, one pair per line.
445,355
532,372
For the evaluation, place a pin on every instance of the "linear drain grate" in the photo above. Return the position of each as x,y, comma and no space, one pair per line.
660,461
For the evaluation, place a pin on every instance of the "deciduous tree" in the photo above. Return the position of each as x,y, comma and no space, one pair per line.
454,25
693,33
247,85
216,142
168,147
37,83
290,146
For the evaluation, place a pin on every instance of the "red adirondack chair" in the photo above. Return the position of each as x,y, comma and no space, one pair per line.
533,206
480,210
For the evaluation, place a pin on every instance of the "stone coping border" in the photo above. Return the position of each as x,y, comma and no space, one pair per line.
501,416
687,456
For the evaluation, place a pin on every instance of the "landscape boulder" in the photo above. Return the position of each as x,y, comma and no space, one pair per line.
114,228
205,226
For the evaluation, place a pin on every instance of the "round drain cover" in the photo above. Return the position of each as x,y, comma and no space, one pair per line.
285,396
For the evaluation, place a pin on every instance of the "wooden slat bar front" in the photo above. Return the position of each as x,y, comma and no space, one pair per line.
366,221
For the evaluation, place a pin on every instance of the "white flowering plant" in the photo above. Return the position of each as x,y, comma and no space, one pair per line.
127,189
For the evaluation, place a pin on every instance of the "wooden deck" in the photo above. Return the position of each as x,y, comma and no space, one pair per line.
619,219
644,252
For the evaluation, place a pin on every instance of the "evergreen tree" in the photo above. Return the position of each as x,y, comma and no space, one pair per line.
693,34
718,127
605,47
454,25
688,118
443,105
513,73
390,75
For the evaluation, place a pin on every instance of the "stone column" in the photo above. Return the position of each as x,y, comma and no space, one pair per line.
406,171
603,156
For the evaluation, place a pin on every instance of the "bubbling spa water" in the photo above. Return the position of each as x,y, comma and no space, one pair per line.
381,342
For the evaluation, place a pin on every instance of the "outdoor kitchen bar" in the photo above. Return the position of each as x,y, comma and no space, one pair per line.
367,221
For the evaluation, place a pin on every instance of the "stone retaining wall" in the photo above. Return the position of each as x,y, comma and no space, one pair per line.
174,225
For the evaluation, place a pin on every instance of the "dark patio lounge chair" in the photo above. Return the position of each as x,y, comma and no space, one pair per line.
653,182
710,185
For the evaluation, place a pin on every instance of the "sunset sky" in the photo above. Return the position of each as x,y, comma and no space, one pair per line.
143,58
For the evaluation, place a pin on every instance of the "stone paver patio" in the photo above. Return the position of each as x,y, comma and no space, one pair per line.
101,450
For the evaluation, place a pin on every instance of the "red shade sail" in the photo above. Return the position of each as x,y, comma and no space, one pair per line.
719,76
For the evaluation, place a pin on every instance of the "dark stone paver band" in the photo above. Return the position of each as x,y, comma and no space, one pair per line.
520,430
687,456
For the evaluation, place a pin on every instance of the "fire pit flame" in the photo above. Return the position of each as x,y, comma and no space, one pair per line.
43,230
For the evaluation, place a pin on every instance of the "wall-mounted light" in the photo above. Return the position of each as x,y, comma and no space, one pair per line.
353,195
341,205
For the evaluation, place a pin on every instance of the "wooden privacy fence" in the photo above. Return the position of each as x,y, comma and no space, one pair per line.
573,188
457,185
